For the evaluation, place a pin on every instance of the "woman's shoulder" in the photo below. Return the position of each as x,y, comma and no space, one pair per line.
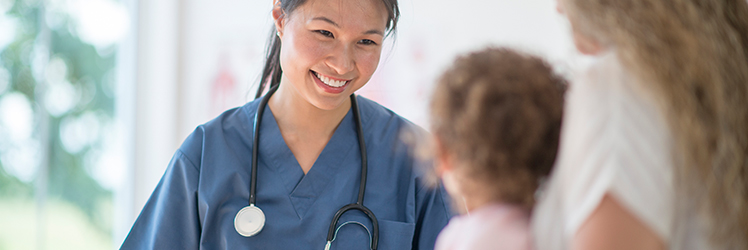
391,138
379,119
614,139
612,121
388,133
608,106
233,126
373,110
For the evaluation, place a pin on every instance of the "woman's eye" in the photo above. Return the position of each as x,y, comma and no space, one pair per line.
325,33
367,42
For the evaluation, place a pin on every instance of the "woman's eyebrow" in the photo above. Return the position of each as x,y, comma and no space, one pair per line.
327,20
375,32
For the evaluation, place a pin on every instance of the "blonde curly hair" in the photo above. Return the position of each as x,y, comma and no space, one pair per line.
694,55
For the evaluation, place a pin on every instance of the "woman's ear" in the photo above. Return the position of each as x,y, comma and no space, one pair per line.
279,17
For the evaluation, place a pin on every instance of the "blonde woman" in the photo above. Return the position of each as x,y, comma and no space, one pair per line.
654,145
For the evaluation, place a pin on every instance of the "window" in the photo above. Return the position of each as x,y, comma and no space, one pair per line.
58,139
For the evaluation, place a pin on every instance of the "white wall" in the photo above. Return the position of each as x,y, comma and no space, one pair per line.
147,104
433,32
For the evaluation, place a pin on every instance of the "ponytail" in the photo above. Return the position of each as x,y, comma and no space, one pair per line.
272,71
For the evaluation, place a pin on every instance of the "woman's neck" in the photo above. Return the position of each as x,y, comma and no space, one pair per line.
295,114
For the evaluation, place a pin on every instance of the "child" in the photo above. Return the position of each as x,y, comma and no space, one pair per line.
496,118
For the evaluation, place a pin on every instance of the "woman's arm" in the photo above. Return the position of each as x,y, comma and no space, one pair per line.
433,214
612,226
170,219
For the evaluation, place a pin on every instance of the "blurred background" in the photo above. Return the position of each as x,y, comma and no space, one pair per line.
96,95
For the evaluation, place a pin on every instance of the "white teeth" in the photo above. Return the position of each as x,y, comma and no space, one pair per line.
330,82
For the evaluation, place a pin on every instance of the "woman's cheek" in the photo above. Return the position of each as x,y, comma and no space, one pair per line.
369,61
307,47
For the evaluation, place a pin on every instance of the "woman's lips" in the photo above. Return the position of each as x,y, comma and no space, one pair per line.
328,87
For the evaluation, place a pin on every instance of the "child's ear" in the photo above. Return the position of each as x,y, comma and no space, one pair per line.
442,157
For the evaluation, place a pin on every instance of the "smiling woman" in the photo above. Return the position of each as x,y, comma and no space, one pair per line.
324,43
339,42
272,173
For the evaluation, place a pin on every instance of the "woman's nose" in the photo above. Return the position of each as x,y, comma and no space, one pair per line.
342,60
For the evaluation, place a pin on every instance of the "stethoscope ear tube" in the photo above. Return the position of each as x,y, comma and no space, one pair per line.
250,220
362,148
369,213
256,142
252,224
359,205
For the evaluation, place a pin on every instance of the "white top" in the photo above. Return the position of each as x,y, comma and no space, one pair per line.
614,140
491,227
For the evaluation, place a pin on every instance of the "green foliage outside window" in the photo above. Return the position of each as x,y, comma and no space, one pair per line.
66,83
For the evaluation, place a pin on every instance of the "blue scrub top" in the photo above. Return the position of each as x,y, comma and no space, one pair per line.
207,183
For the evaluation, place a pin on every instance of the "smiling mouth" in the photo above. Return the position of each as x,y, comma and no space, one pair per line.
330,82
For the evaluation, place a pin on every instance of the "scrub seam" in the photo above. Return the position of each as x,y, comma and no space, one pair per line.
181,154
444,203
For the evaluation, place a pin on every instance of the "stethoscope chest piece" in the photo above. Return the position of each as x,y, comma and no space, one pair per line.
249,221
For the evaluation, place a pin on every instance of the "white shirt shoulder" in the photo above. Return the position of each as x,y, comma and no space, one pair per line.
614,139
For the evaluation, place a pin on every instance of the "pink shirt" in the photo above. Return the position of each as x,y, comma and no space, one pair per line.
494,226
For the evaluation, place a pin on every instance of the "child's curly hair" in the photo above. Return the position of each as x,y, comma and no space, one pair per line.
498,113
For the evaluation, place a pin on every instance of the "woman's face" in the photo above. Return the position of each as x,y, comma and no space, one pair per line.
584,44
330,48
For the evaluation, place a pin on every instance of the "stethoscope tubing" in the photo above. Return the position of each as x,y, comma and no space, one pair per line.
255,145
359,205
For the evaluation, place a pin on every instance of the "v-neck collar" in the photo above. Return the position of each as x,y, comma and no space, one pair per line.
303,189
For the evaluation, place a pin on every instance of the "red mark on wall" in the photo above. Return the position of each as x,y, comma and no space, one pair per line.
223,87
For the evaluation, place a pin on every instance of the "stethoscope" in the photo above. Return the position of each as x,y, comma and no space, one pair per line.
250,220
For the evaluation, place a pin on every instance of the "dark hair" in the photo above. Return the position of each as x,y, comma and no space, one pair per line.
498,113
271,73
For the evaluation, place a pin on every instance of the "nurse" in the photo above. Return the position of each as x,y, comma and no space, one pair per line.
309,159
